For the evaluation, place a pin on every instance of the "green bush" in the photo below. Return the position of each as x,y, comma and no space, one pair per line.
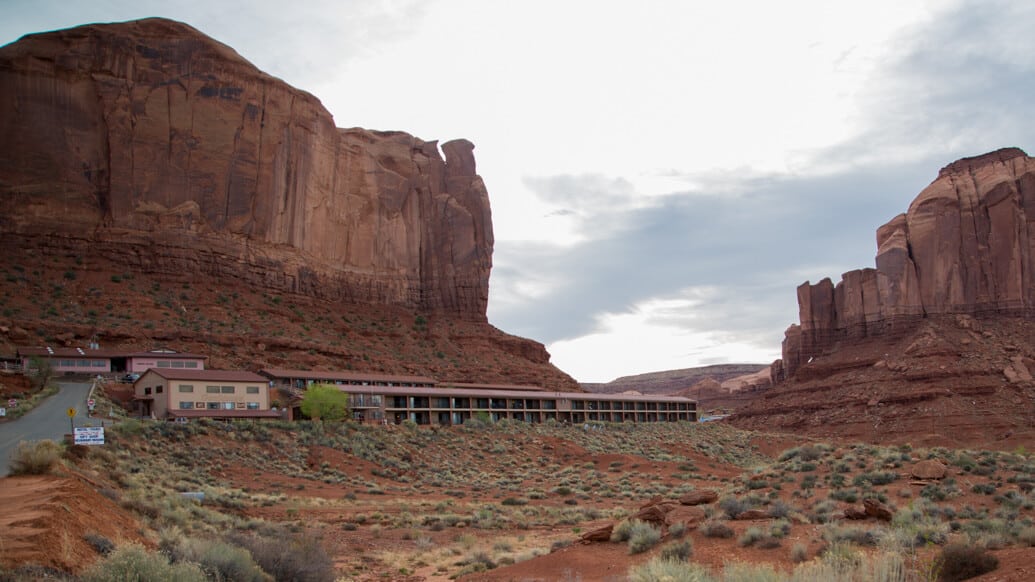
133,563
961,562
35,457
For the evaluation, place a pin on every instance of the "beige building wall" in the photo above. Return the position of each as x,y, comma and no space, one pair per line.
171,395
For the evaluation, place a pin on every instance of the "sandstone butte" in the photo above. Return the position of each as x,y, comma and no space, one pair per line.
965,246
147,147
168,152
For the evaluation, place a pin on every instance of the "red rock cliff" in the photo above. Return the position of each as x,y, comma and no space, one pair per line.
966,245
168,152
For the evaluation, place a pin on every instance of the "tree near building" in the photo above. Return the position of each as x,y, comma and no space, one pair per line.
325,402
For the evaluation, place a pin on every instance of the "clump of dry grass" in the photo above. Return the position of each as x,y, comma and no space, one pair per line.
35,457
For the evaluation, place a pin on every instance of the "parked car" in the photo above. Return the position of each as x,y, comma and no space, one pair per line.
130,378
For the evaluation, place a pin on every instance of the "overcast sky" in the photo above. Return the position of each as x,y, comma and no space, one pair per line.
662,175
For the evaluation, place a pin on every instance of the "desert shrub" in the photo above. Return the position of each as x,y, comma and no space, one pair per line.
658,569
875,478
799,553
35,457
716,529
750,536
677,530
642,536
779,509
680,551
132,563
855,535
101,544
299,558
961,562
734,506
219,559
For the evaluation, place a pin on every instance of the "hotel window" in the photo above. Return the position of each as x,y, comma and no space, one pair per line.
82,363
177,364
252,389
163,364
226,389
213,406
158,389
212,389
67,363
228,406
147,390
199,405
186,405
99,364
190,364
186,388
253,406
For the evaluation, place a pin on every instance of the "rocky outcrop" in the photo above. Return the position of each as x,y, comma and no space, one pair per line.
168,153
965,246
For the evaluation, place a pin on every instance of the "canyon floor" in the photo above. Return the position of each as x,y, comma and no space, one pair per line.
511,501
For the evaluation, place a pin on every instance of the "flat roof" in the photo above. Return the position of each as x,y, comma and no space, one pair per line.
469,393
283,373
472,386
202,375
62,352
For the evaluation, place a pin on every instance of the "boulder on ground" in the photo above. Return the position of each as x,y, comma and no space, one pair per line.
700,497
874,508
687,515
753,514
929,469
602,534
855,512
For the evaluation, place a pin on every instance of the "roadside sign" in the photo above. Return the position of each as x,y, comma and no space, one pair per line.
3,411
70,412
90,403
89,435
12,403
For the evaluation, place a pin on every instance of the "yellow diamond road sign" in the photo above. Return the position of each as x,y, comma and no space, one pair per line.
71,412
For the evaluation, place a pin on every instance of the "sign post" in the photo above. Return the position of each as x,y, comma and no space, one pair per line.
71,418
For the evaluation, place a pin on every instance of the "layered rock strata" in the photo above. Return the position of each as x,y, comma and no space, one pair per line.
167,152
965,246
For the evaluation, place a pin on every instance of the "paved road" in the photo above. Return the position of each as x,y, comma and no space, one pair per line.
49,420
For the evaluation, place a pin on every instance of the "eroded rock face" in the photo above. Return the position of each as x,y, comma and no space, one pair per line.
966,245
170,153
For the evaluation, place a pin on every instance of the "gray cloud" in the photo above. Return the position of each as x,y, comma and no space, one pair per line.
963,84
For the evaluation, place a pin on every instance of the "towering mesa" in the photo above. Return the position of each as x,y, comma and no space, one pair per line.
168,152
966,245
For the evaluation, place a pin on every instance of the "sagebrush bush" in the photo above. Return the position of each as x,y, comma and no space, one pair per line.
962,561
716,529
35,457
299,558
133,563
219,559
642,537
680,551
658,569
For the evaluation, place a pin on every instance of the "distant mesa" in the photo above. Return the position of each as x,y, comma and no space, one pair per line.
965,246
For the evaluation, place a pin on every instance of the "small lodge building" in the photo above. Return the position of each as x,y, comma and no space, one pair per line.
167,393
388,399
94,360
